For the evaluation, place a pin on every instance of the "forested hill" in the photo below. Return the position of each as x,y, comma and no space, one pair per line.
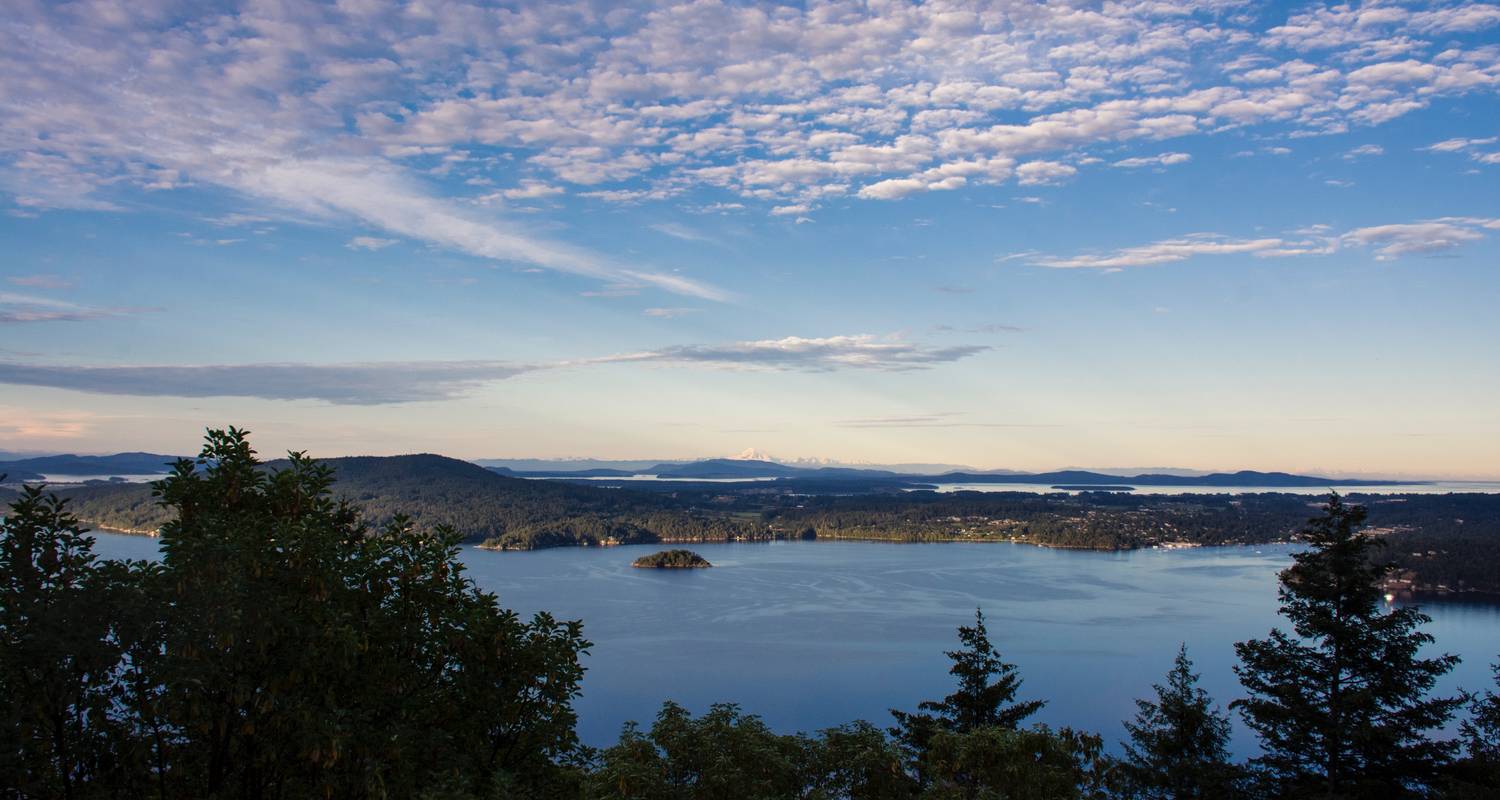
479,503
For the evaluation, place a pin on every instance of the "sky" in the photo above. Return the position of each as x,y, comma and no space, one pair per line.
1023,235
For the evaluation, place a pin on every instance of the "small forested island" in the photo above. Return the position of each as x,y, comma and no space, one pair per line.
672,559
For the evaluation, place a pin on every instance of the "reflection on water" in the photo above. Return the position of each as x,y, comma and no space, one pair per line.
812,634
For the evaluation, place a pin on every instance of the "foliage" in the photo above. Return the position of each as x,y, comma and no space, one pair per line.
65,656
1341,705
672,559
279,650
999,763
1477,775
987,687
1179,743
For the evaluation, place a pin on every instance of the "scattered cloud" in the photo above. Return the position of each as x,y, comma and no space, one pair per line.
1035,173
1364,150
1473,148
1421,238
347,109
1161,160
669,313
371,243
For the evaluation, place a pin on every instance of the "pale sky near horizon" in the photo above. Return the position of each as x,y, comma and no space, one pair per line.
1217,235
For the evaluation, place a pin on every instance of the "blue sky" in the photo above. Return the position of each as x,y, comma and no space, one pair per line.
1010,234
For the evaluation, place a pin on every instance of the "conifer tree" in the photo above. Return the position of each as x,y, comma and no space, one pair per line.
987,687
1341,704
1179,743
1478,774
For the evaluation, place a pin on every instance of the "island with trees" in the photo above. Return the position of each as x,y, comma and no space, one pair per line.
672,559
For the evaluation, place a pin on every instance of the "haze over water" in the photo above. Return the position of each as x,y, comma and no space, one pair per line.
814,634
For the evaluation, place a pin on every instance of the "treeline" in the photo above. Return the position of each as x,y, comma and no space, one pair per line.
284,648
1451,541
1097,521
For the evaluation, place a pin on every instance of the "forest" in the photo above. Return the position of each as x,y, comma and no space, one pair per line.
1441,543
285,647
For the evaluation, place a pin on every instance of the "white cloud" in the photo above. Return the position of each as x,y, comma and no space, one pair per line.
1420,238
1034,173
369,243
1161,160
1166,251
1364,150
1388,241
780,106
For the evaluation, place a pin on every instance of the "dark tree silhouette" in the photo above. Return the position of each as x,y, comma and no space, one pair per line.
1341,704
1179,743
987,687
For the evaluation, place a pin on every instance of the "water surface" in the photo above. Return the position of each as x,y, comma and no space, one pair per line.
813,634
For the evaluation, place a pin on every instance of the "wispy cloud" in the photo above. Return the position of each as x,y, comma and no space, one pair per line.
41,281
942,419
343,384
1421,238
18,308
669,313
795,353
1161,160
1388,241
683,232
371,243
378,383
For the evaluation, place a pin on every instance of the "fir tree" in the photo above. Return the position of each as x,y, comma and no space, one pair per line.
1341,704
987,687
1179,744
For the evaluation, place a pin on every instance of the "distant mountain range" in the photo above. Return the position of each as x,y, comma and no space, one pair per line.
744,469
32,469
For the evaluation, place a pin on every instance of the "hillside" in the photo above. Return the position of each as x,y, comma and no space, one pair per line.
71,465
481,504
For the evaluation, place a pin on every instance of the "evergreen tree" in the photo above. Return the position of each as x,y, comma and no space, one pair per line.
1179,744
987,687
1341,704
1478,774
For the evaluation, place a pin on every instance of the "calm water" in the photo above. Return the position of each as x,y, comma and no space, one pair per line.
812,634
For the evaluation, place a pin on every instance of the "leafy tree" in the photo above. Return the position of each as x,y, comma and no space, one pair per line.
280,650
62,675
1179,743
858,761
998,763
722,755
1341,705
